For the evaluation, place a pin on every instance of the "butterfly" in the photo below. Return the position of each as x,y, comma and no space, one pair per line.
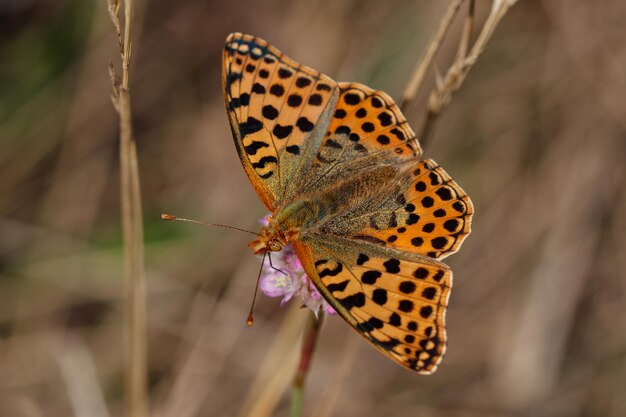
341,172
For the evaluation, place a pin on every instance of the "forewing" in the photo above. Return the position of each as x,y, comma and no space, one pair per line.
396,300
278,112
367,130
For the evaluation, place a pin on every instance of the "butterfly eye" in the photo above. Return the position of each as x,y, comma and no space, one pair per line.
275,246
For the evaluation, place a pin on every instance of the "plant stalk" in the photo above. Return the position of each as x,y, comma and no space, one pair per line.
132,224
311,333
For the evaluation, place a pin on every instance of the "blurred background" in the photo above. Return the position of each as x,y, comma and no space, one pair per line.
536,136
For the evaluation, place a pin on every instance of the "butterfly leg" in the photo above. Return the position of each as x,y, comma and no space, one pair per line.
269,255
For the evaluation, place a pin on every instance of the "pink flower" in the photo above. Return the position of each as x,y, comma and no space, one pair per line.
293,282
276,284
265,220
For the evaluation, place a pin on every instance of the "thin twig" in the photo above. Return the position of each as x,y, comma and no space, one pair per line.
132,221
311,333
419,75
468,26
442,93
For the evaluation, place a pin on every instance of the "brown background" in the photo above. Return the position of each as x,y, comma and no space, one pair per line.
536,136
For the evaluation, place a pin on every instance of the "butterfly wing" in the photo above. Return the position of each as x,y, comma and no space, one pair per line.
367,130
278,110
432,216
396,300
423,212
372,259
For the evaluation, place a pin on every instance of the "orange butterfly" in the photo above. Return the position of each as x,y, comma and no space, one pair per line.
339,168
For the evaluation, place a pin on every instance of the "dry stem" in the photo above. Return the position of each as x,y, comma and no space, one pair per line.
309,342
132,222
419,75
466,57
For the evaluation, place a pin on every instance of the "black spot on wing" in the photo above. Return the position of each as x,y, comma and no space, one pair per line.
395,320
294,100
331,143
302,82
244,99
354,300
342,130
254,147
392,266
405,306
258,88
263,161
315,100
386,344
251,125
429,293
331,272
284,73
269,112
383,139
376,102
281,132
340,286
277,90
304,125
459,206
421,273
352,99
439,242
362,259
385,119
368,127
427,202
445,193
340,114
379,296
407,287
451,225
426,311
232,77
371,324
370,277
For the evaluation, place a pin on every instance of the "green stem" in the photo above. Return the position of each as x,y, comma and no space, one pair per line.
311,333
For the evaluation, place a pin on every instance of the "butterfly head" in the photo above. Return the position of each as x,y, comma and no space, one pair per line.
272,238
267,242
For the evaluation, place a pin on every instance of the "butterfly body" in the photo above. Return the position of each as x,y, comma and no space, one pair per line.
340,170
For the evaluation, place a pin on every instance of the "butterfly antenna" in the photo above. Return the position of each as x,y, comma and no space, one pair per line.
250,320
171,217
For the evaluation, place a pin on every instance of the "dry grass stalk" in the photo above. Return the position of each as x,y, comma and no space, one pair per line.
466,57
419,75
309,341
132,221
